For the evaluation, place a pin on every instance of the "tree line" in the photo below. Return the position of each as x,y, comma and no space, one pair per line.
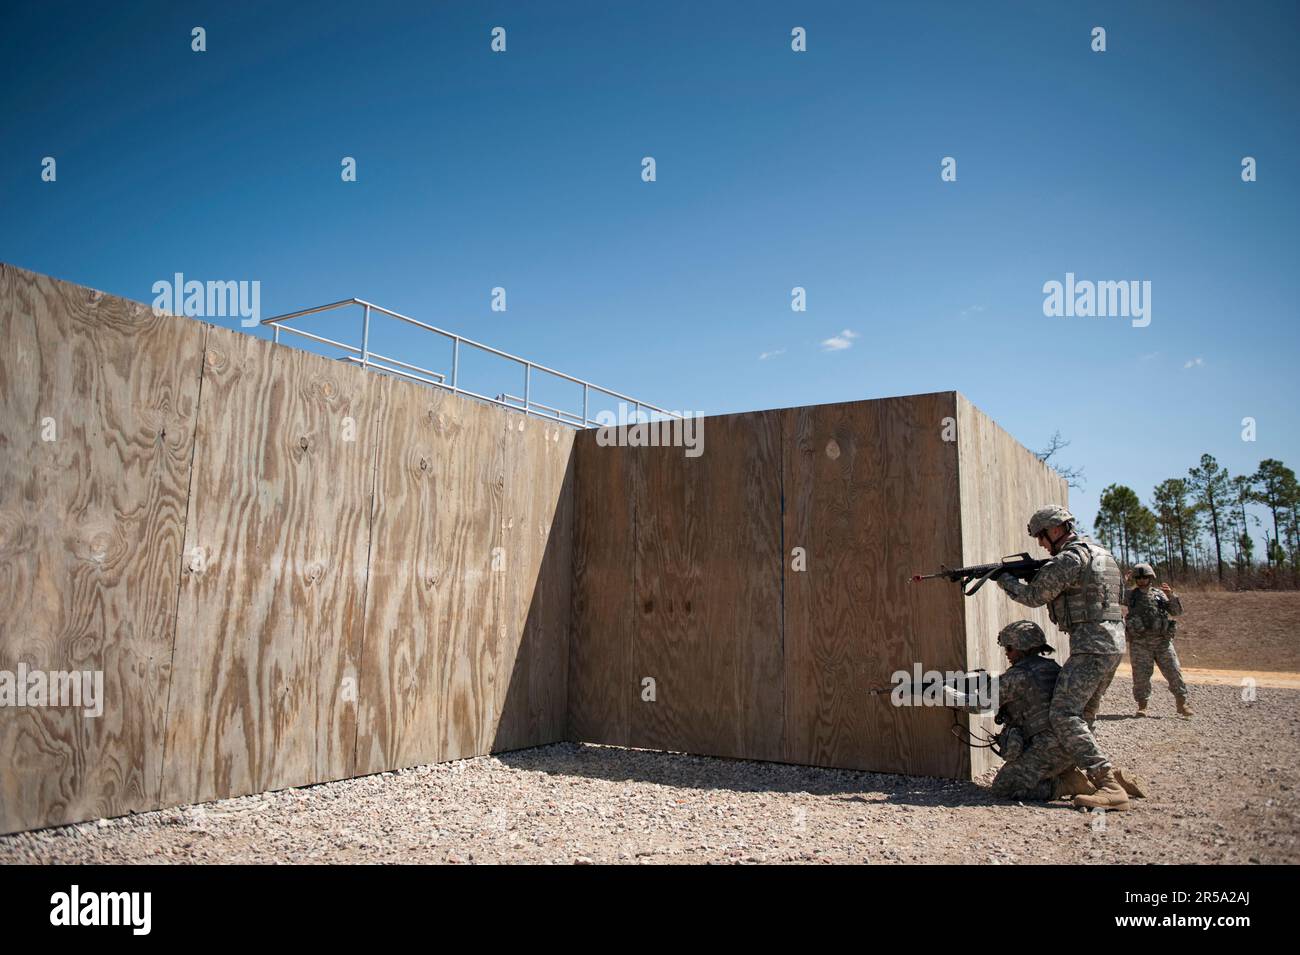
1199,526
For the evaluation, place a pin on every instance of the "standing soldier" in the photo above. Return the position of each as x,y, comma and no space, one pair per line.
1082,588
1150,629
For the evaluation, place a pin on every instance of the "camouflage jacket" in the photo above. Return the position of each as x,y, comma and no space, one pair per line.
1150,612
1025,694
1061,576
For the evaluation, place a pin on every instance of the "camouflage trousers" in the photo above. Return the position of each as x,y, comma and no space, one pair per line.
1145,653
1084,680
1030,775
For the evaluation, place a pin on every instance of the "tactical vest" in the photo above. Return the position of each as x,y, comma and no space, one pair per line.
1095,596
1029,713
1148,613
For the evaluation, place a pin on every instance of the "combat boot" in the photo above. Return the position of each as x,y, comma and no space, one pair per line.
1109,795
1133,785
1142,708
1183,708
1072,782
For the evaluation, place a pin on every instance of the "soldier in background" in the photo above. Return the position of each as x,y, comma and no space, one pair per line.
1150,630
1082,587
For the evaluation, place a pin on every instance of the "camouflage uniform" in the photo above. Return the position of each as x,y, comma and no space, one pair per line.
1025,696
1150,634
1081,587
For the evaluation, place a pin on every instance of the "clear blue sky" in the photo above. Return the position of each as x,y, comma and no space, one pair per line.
775,169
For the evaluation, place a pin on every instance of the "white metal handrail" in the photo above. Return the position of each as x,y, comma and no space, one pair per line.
393,366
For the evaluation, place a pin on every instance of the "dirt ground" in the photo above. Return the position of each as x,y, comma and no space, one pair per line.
1254,629
1223,788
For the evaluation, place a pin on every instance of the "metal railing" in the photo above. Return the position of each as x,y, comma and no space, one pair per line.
366,358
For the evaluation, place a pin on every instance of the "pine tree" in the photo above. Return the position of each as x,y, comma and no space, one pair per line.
1210,484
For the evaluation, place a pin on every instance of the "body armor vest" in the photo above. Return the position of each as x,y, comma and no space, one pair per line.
1029,712
1148,613
1095,596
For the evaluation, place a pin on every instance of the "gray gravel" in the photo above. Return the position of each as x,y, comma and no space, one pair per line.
1224,789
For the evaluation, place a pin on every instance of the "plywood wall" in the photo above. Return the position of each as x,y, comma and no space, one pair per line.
706,613
871,493
752,657
98,402
289,570
273,579
1002,483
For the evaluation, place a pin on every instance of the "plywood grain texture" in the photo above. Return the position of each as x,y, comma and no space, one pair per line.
97,404
1002,483
274,579
536,569
872,496
707,612
601,686
291,570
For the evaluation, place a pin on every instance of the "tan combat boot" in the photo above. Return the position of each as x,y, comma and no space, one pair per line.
1109,795
1142,708
1133,784
1072,782
1183,708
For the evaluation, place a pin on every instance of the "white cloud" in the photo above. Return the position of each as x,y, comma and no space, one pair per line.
1194,363
974,309
840,342
771,354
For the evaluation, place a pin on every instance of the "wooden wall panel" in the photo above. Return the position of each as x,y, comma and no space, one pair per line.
432,651
1002,483
707,613
601,687
97,405
536,601
273,585
872,495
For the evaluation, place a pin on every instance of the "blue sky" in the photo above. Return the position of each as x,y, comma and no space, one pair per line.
774,170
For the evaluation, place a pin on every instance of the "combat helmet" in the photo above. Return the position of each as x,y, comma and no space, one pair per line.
1144,570
1053,515
1022,635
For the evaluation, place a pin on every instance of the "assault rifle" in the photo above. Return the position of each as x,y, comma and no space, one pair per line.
1021,566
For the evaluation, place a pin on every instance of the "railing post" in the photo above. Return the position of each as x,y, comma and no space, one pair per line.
586,393
275,334
455,364
528,385
365,339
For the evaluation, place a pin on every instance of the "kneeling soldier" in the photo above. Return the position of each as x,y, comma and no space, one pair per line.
1041,769
1150,631
1037,767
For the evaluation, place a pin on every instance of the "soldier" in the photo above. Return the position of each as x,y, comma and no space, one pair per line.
1150,631
1037,766
1082,588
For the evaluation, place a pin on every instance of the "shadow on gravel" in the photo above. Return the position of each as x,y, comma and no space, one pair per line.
684,771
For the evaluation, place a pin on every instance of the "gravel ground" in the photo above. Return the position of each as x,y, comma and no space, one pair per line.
1223,789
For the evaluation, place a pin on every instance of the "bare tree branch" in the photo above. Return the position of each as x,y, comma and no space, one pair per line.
1073,476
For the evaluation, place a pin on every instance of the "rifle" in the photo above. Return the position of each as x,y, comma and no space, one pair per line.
1021,566
957,692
